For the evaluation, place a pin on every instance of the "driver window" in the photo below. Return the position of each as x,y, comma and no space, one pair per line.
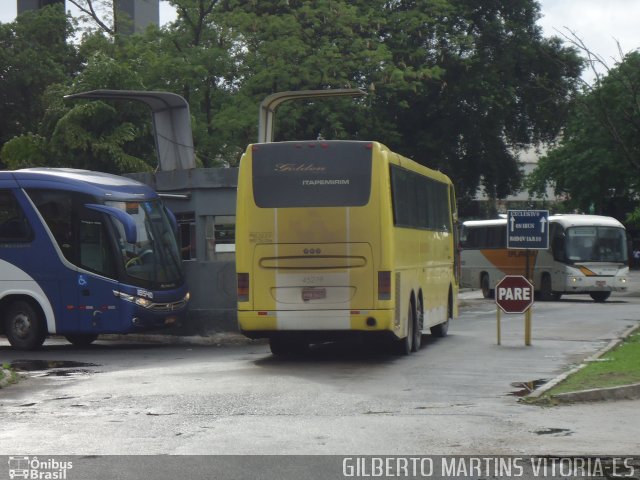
95,252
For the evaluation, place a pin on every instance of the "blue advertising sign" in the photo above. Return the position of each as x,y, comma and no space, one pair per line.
528,229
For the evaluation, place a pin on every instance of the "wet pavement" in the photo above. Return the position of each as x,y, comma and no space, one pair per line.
457,395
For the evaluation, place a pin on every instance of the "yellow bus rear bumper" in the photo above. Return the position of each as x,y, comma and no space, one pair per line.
316,320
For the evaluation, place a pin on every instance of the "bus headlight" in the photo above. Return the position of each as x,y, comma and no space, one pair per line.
143,302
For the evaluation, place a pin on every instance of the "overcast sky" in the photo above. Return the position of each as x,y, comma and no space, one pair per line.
599,23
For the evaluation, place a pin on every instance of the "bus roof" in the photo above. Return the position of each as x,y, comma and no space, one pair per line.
574,220
102,185
570,220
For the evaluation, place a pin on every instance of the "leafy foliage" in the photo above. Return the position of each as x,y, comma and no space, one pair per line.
458,85
597,163
33,55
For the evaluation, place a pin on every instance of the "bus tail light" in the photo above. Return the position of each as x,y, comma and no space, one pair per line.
384,285
243,287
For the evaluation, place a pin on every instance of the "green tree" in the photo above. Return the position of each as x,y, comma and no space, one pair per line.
499,86
300,45
34,54
196,57
192,57
457,85
596,165
89,134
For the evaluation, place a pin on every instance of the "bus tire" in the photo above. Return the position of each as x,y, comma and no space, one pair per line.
417,328
404,346
546,294
600,297
442,329
486,286
24,326
82,339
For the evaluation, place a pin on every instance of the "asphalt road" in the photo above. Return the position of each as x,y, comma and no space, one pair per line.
458,395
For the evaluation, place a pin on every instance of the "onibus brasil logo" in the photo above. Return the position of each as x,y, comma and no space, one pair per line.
34,469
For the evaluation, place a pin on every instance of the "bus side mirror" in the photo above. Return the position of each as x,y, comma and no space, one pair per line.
172,219
130,229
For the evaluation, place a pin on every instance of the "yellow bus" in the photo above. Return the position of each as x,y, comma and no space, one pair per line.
335,238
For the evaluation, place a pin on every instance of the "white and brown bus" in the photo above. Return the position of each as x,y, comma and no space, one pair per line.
587,254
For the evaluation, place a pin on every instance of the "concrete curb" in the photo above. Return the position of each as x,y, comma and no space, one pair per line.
597,394
627,392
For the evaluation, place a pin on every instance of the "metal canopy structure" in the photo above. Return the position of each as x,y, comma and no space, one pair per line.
171,124
270,104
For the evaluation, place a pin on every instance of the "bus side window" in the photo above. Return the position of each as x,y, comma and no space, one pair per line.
557,242
57,211
13,224
463,241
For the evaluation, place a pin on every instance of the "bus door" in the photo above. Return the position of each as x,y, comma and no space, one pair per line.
95,283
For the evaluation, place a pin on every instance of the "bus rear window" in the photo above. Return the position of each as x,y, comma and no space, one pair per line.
312,174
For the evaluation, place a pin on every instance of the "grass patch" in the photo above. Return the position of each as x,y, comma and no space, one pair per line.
7,375
620,366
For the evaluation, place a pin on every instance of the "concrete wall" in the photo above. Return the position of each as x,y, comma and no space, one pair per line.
205,192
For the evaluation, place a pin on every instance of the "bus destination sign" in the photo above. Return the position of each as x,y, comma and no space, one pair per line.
528,229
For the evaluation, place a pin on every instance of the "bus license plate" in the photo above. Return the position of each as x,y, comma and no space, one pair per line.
313,293
601,283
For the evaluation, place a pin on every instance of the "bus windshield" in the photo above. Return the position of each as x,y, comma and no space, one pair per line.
596,244
154,256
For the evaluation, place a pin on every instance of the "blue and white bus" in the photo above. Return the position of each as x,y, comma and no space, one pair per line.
84,253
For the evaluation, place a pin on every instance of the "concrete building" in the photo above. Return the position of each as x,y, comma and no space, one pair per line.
528,159
26,5
133,15
136,15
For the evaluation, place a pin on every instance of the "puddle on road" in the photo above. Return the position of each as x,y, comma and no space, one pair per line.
525,388
563,432
53,368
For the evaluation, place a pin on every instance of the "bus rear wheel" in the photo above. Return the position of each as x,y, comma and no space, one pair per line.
82,339
417,328
485,286
24,326
404,346
442,329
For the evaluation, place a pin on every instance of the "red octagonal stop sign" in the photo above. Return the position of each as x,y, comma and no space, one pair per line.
514,294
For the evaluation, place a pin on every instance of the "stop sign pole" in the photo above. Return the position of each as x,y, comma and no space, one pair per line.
526,230
514,294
